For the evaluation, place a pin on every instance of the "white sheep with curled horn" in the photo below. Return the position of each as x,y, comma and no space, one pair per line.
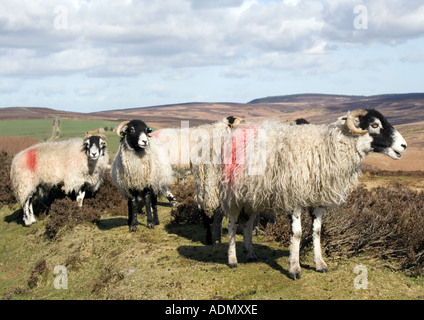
140,170
303,166
77,165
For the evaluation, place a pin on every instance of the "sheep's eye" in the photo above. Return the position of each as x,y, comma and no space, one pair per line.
149,130
132,130
374,125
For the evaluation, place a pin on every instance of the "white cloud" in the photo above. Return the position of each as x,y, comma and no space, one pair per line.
128,38
177,39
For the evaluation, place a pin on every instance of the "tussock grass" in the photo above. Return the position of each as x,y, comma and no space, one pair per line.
105,261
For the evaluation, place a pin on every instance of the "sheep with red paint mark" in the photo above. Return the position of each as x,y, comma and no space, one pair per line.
281,168
76,165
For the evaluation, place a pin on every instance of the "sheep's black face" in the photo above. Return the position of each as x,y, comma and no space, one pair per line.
136,135
95,147
385,138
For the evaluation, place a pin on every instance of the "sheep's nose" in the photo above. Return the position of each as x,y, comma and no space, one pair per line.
404,146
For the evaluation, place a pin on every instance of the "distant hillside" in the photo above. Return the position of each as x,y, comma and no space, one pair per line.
405,110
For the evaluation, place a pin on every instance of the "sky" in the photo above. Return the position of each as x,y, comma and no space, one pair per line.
87,56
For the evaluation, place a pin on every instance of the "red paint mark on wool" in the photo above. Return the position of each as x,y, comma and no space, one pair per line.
31,159
238,152
156,134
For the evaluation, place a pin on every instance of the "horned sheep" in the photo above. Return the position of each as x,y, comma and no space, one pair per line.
76,165
140,170
312,166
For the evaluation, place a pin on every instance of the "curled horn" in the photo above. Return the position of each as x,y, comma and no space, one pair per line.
350,121
87,136
118,130
104,138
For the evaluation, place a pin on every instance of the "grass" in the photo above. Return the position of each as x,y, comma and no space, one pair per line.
41,129
105,261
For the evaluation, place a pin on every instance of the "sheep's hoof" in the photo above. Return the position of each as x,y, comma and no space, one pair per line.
150,225
232,265
252,258
133,228
295,276
323,270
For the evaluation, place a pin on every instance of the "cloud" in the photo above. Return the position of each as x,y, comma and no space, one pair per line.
386,21
129,38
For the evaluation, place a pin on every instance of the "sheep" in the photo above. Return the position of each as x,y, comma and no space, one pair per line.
205,172
77,165
140,170
308,166
184,146
301,121
207,176
183,143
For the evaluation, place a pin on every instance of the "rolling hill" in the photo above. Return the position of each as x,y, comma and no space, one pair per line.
405,111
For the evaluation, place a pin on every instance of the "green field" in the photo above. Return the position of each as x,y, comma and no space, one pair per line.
41,129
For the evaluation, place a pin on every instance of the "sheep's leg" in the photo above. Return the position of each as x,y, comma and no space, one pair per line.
218,215
132,214
232,228
320,265
28,212
154,199
171,198
80,197
31,213
148,203
296,235
207,226
247,239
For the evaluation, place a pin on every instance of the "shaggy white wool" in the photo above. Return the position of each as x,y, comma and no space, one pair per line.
56,163
305,166
147,168
207,170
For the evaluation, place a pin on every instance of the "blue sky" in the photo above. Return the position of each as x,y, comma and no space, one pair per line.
100,55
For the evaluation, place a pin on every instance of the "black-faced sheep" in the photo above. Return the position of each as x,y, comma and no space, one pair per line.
274,167
76,165
141,170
